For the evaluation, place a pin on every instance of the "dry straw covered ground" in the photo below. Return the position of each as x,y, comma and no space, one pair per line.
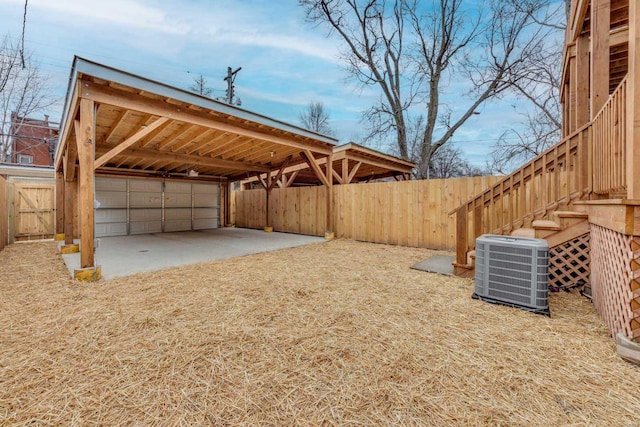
339,333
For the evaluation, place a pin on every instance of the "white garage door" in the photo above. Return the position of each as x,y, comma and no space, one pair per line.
139,206
177,206
145,206
206,206
111,216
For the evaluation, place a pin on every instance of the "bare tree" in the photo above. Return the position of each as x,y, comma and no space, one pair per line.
315,117
541,127
24,91
412,50
200,86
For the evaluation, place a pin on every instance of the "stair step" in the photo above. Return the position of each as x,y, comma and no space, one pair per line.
571,214
524,232
471,257
543,224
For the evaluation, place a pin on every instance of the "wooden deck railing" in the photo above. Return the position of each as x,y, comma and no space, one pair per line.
555,178
590,160
608,144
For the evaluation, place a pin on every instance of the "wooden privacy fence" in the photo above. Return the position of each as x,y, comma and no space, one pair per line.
408,213
32,210
4,213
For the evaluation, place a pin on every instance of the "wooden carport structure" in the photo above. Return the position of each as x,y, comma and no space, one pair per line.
116,123
352,163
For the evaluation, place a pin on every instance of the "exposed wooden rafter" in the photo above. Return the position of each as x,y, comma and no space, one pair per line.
129,142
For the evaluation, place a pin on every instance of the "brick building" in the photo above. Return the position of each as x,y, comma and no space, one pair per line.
33,141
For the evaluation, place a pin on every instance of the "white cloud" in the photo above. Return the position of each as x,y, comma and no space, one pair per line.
122,12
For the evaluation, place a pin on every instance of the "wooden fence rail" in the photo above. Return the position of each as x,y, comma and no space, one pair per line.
409,213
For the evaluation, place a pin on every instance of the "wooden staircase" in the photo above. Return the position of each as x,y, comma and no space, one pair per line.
538,199
565,227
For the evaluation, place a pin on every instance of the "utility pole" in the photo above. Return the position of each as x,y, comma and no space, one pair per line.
230,79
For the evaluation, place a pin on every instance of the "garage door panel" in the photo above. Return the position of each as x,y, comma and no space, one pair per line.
177,187
145,227
110,184
201,213
110,215
177,200
140,200
142,186
205,200
205,223
111,229
112,199
206,188
177,213
177,225
145,215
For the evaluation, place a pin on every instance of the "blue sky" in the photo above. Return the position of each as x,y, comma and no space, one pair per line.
286,62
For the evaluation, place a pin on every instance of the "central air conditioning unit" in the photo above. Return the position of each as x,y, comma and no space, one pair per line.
513,271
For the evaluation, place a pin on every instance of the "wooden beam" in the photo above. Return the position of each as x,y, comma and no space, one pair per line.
578,15
345,171
86,155
291,179
71,156
372,162
101,94
353,172
67,125
337,176
599,69
195,160
633,105
116,123
129,142
279,174
307,156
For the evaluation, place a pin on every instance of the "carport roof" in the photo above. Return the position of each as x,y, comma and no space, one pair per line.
147,127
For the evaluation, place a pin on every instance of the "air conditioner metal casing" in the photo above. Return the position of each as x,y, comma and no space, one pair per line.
513,271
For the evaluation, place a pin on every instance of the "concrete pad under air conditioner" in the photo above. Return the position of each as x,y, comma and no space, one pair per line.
441,264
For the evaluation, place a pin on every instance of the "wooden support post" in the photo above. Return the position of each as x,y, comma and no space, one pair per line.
600,23
477,221
69,196
345,171
633,105
572,95
86,156
461,235
329,234
582,89
59,204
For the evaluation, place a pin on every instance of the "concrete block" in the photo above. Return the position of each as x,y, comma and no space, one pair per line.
89,274
70,249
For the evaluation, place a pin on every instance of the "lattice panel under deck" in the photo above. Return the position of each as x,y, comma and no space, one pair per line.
635,287
614,264
569,262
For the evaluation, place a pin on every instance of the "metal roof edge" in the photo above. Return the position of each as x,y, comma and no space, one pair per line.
362,148
10,169
126,78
